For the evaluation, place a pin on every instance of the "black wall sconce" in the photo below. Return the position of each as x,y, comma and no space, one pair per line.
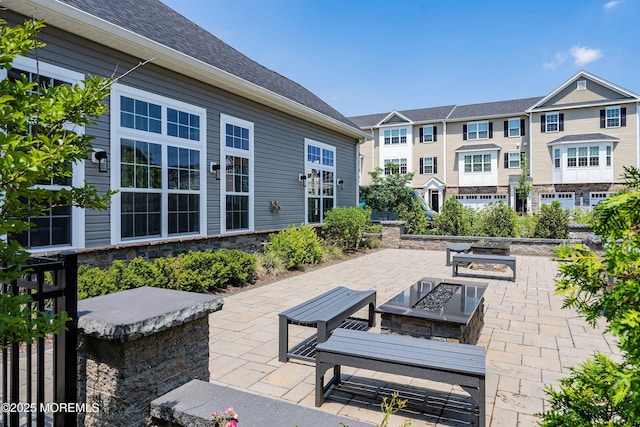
214,168
341,184
101,158
303,179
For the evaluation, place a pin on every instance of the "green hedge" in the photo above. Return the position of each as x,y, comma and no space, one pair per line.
297,246
192,271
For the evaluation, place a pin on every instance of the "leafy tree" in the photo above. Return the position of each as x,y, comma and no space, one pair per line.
454,219
524,183
387,193
601,391
346,226
39,142
553,222
497,220
416,222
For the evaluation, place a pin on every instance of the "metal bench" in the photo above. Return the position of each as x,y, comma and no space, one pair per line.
457,247
451,363
465,259
325,312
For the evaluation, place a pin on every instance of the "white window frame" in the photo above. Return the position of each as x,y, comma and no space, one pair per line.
426,171
588,159
517,156
78,177
321,166
548,125
164,140
425,134
477,130
516,128
400,161
484,161
236,152
557,158
390,138
615,118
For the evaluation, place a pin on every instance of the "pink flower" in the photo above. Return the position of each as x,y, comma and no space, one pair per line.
232,423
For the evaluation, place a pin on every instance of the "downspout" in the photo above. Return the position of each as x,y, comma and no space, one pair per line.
530,159
444,154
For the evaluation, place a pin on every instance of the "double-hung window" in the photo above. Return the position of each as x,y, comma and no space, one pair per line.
427,134
428,165
583,156
514,128
514,159
613,117
556,158
320,164
158,151
478,130
552,122
60,226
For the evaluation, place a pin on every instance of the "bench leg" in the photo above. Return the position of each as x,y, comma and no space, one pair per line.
283,339
448,256
513,267
478,396
454,272
321,388
372,315
323,332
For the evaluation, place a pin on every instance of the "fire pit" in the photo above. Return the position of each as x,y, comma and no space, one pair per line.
434,309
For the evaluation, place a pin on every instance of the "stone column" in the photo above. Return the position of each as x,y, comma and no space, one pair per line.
137,345
391,232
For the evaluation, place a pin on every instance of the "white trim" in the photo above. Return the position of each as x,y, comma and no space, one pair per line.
606,118
249,154
391,114
519,120
77,180
118,132
477,123
321,167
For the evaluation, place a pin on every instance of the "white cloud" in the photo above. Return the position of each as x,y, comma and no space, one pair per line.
584,55
611,4
557,60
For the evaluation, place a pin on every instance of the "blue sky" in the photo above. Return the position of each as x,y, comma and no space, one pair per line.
374,56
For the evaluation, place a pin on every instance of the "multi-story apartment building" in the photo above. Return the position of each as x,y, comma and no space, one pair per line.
577,139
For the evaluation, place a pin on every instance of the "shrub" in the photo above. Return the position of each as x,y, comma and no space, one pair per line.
297,246
93,282
332,253
497,220
453,219
553,222
526,225
346,226
416,221
581,216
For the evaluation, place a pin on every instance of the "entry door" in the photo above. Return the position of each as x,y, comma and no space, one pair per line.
434,201
521,204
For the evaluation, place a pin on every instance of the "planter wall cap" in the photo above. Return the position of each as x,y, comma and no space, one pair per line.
135,313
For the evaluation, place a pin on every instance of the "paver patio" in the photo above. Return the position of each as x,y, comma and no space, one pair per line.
530,341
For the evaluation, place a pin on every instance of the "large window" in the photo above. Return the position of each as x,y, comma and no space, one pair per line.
400,163
583,156
61,226
158,149
514,159
395,136
477,163
320,164
237,152
428,165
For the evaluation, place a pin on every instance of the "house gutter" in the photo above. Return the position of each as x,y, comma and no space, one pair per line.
98,30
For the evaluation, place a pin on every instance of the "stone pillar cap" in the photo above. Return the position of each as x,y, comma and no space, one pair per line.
135,313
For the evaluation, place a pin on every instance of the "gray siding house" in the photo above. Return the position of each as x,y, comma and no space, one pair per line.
201,142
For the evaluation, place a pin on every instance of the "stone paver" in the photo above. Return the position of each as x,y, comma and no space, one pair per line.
530,341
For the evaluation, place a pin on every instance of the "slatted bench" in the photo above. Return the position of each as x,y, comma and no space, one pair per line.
451,363
465,259
325,312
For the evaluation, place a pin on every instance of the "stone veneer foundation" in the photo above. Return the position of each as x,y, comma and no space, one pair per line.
137,345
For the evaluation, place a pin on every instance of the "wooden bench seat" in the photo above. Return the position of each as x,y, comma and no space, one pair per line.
465,259
451,363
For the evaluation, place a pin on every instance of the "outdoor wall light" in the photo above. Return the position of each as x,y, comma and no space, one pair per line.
341,184
303,179
214,168
100,157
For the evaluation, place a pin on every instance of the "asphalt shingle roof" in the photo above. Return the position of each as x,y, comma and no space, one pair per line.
420,115
584,137
487,109
478,147
158,22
